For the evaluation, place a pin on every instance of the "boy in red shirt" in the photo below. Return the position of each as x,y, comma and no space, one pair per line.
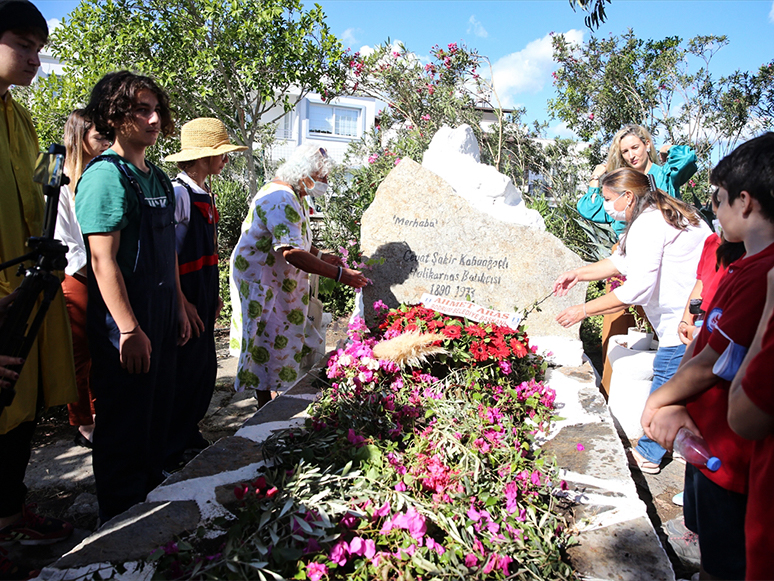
697,396
751,415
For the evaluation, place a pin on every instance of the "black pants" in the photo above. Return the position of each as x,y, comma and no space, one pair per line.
15,449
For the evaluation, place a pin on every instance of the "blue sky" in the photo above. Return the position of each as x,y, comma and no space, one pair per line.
514,33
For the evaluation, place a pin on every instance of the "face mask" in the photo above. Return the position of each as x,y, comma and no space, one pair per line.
318,189
718,227
730,360
618,215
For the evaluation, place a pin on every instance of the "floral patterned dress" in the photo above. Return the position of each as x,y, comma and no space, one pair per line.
269,297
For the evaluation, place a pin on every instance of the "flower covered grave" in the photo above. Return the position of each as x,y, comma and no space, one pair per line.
416,462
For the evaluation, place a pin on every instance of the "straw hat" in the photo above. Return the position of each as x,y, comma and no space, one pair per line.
203,137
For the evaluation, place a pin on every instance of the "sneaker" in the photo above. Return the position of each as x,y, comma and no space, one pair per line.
684,542
33,529
678,499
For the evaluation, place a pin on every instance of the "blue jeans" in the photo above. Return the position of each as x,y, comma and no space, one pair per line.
664,367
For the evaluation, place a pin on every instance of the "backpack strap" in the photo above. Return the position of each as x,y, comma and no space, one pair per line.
121,165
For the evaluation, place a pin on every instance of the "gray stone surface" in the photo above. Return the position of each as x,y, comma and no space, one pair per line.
616,537
627,551
227,454
135,534
434,241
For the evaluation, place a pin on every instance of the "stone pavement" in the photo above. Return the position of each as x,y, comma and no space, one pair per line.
615,530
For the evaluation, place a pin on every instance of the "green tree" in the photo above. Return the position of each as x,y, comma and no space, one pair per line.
237,60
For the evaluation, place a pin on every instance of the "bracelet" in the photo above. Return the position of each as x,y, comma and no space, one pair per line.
338,274
137,326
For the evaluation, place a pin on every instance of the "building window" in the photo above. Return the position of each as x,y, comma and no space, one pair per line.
333,121
285,126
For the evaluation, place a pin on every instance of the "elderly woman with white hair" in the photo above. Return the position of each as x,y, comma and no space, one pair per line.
270,269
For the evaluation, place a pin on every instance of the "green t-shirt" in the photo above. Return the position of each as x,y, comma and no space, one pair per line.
105,201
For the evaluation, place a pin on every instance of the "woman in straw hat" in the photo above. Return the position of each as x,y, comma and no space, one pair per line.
204,152
269,276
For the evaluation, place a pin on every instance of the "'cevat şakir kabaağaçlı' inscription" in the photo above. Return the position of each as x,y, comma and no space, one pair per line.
428,270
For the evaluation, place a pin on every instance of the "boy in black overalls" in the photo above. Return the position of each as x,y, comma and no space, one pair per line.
125,206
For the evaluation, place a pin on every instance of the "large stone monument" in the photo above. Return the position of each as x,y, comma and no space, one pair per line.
434,240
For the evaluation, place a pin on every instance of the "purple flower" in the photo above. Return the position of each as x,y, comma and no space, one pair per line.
354,438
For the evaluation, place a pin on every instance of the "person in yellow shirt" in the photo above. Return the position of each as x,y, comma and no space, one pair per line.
48,376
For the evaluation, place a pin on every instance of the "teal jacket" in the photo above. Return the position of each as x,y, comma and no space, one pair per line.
676,171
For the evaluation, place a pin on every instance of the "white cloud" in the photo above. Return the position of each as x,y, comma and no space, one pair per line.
348,36
528,70
53,24
771,13
561,130
477,28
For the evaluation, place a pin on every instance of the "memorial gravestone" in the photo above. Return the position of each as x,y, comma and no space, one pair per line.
433,240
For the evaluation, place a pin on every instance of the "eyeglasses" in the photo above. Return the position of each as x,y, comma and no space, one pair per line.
224,157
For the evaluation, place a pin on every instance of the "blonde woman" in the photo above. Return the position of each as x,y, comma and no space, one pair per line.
633,147
658,253
82,143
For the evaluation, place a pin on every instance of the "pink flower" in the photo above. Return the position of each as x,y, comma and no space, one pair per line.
535,478
425,117
316,571
397,160
580,447
379,305
471,560
504,562
591,116
373,157
383,510
491,562
339,553
240,490
400,487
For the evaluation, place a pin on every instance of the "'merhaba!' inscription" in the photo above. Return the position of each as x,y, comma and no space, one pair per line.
415,223
430,260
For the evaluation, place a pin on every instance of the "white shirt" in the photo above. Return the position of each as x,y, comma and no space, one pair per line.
660,268
69,232
183,208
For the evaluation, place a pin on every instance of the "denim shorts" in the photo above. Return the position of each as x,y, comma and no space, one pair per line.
717,516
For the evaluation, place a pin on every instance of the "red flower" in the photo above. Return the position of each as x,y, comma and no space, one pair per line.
479,351
475,331
498,349
519,350
452,331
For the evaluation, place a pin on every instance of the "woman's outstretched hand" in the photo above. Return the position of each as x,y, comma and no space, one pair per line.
565,282
353,278
571,315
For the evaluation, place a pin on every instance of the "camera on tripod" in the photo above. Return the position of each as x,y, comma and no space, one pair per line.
25,316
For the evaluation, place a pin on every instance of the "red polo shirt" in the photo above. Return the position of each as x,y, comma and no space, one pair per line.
736,310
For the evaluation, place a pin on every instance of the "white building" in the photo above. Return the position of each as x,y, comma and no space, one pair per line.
334,125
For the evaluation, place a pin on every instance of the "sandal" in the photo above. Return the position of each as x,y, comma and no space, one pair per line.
645,466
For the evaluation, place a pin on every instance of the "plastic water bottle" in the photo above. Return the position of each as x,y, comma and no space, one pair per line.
695,450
